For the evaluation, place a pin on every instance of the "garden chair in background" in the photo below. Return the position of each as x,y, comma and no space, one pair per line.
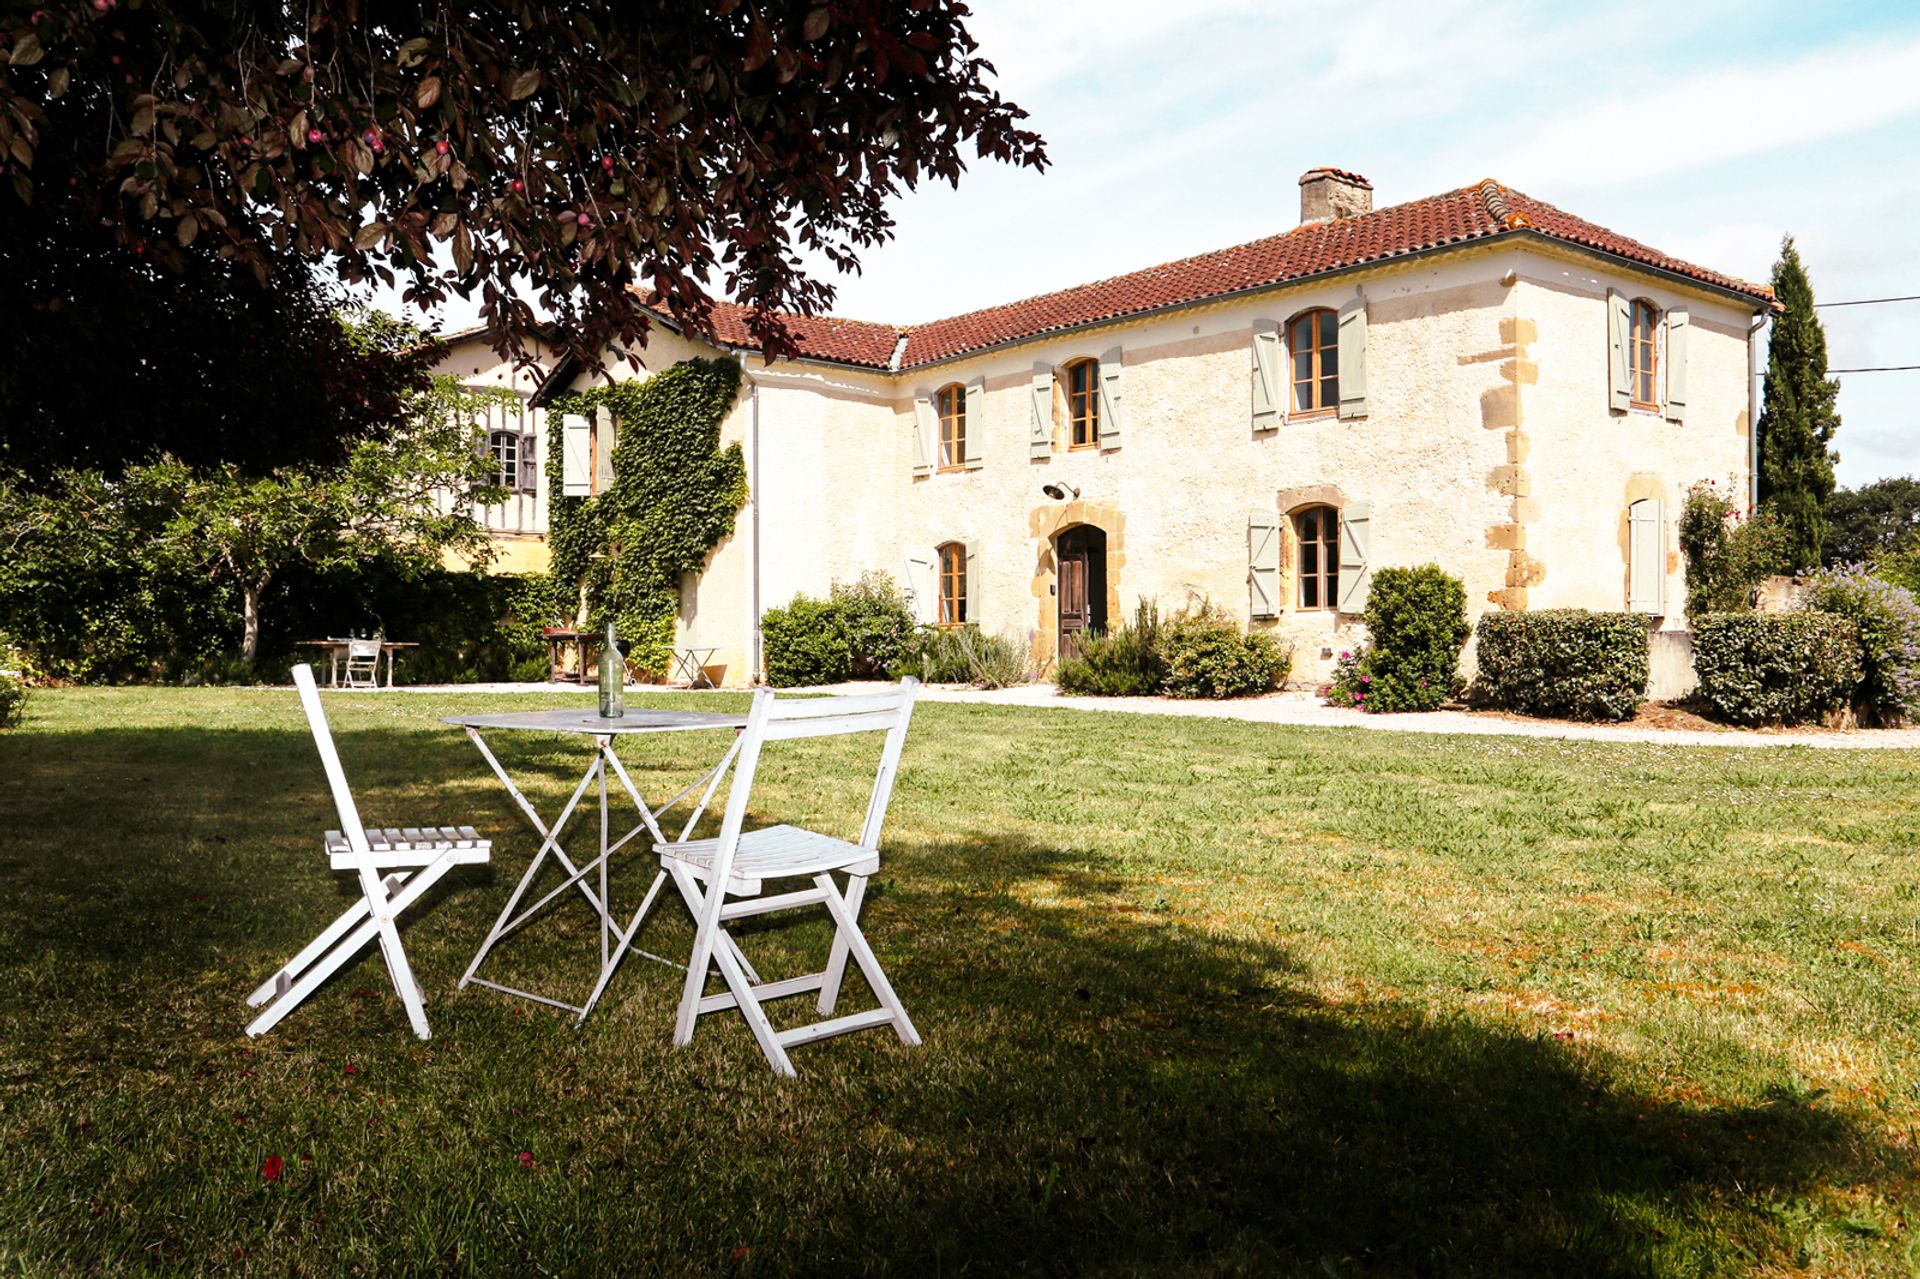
411,861
739,864
363,663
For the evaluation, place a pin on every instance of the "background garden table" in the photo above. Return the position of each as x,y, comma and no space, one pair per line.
614,941
337,649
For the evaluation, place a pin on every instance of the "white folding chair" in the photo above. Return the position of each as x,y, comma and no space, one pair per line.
425,854
363,663
739,863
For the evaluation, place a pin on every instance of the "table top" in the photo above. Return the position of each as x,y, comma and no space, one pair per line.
589,721
341,643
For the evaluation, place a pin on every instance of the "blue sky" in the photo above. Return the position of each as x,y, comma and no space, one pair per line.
1704,128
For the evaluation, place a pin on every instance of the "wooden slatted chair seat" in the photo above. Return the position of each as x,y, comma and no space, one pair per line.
777,852
410,846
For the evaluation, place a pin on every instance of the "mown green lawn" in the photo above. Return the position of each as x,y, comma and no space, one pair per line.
1199,997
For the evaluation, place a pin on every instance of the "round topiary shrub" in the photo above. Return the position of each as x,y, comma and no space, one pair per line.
1417,624
1208,655
1567,663
1776,668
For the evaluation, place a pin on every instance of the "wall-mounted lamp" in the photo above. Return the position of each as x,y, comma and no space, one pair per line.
1058,492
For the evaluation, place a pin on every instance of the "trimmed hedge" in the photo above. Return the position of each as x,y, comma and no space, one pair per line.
1776,668
1566,663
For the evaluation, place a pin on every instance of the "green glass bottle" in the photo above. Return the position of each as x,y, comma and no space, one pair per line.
613,678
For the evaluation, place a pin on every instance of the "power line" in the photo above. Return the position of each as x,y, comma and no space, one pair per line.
1912,297
1884,368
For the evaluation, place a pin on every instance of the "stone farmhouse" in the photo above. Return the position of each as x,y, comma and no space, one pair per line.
1476,379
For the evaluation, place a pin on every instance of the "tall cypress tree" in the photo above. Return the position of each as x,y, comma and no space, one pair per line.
1797,417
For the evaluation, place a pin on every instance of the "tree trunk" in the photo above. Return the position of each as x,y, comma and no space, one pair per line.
250,620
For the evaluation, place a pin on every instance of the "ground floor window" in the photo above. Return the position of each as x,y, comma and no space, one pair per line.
1316,531
953,584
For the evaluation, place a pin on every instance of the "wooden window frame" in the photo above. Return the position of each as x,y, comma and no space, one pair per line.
1326,545
950,410
501,467
1643,345
950,578
1083,404
1317,353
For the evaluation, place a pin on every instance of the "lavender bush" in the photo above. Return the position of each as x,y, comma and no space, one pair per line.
1889,622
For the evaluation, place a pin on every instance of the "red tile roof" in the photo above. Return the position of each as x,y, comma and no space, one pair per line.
1477,212
819,337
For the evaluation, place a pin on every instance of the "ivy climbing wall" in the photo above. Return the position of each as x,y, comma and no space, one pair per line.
674,498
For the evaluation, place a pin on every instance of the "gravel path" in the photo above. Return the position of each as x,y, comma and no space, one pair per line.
1306,710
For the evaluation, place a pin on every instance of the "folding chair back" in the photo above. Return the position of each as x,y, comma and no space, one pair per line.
363,663
329,758
419,857
737,862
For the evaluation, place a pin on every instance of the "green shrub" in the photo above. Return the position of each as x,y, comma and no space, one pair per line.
1564,662
1728,552
879,628
1898,568
1776,668
805,644
1125,662
1416,624
13,700
860,631
1888,624
963,655
1207,655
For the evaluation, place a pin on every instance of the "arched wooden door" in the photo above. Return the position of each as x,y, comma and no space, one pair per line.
1081,584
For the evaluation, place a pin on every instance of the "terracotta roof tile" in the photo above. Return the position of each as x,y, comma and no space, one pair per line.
1471,213
819,337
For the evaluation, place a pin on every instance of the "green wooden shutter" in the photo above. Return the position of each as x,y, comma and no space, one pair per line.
1619,379
1110,399
970,608
917,579
603,430
923,435
1679,325
1269,375
1353,358
1356,520
976,409
1647,557
576,456
1263,563
1040,432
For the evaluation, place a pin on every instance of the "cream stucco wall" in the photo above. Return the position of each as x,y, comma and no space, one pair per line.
1488,447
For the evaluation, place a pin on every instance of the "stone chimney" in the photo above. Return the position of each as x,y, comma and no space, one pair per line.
1326,194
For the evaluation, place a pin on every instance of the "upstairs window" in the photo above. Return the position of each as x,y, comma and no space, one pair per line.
513,459
1083,404
1316,532
1313,340
1643,355
953,584
952,407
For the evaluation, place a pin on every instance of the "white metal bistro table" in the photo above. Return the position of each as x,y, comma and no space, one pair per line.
615,941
